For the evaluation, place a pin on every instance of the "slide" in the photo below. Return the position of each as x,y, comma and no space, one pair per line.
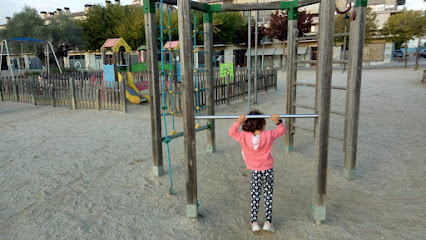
132,93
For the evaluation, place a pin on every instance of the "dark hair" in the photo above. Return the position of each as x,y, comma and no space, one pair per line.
253,124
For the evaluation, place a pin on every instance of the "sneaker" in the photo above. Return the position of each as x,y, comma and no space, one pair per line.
268,226
255,227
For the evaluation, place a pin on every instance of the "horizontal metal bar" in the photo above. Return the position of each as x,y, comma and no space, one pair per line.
256,116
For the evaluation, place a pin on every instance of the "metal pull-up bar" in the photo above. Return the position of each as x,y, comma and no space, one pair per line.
257,116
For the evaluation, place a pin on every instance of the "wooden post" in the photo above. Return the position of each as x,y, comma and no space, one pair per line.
208,48
325,59
15,89
123,97
353,92
154,88
228,89
291,79
32,87
52,87
186,59
98,97
73,99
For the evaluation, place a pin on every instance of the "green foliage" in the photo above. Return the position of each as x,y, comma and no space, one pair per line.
228,26
132,27
24,24
64,33
370,25
404,26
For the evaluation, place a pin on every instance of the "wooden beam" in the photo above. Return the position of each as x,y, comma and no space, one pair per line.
239,7
194,5
154,90
325,59
208,56
262,6
354,91
291,80
186,61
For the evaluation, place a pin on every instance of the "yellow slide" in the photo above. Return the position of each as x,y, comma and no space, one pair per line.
132,93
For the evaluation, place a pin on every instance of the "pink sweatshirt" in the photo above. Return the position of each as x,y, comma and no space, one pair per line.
260,159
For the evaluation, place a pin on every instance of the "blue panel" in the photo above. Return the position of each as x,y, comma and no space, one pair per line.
109,74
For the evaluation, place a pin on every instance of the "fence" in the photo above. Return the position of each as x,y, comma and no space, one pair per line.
225,89
78,92
88,90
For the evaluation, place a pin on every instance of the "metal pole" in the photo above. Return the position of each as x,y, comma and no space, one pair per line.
56,59
1,56
257,116
344,49
263,43
256,39
249,62
8,58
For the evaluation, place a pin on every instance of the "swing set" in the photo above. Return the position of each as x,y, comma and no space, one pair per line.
10,63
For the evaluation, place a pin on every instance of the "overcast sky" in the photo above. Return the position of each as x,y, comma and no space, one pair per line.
9,7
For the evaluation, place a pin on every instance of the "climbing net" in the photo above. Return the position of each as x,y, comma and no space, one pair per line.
168,66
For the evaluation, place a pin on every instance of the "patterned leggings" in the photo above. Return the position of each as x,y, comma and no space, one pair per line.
261,179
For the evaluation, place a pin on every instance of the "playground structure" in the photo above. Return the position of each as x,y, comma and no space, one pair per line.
120,62
47,45
323,96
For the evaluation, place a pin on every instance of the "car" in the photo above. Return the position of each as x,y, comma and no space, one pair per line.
397,53
423,53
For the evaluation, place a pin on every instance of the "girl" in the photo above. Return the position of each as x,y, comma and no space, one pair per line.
256,144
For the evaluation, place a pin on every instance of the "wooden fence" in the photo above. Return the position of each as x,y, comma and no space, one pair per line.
225,89
88,90
79,92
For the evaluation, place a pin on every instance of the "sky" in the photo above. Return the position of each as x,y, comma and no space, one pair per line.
15,6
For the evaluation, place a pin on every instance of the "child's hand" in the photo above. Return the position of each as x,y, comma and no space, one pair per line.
242,118
275,118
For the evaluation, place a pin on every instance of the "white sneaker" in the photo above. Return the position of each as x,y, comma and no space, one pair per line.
255,227
268,227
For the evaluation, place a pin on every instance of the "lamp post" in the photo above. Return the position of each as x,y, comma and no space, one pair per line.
345,19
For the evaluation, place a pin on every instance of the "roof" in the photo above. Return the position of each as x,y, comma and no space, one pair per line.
115,44
27,40
142,47
174,45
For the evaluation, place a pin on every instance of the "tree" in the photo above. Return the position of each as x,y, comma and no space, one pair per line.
403,27
101,23
278,25
228,27
418,26
24,24
343,20
64,33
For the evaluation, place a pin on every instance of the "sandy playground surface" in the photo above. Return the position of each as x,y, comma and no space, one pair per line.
84,174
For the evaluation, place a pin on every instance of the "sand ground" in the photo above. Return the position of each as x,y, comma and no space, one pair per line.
84,174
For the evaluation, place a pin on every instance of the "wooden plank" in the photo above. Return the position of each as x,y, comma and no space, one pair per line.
123,97
291,79
52,87
354,92
154,92
186,58
73,97
325,58
262,6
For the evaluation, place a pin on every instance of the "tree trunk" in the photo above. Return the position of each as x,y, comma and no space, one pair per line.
417,55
